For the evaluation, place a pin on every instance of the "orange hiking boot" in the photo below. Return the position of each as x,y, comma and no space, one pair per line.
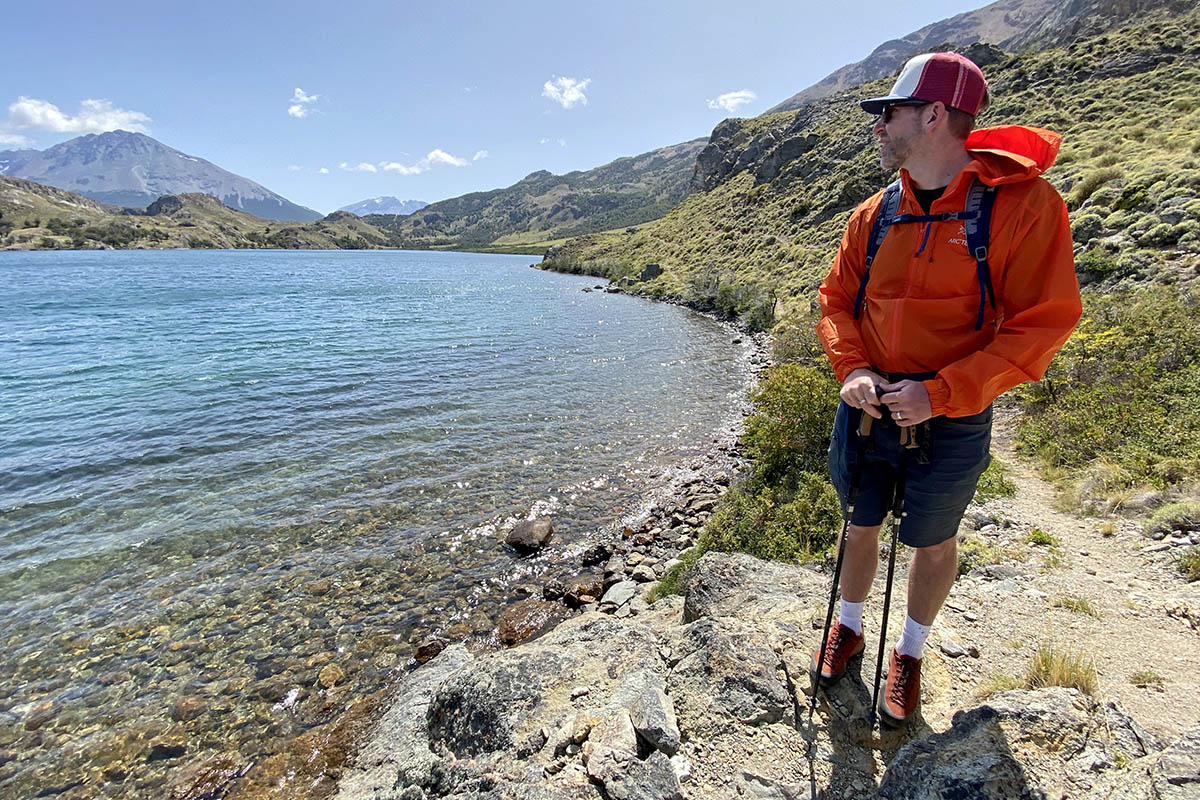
844,644
903,691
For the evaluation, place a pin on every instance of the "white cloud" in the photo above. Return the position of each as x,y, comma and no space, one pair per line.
562,142
403,169
730,101
545,140
442,157
567,92
362,166
14,140
479,155
95,116
323,170
295,168
300,103
433,158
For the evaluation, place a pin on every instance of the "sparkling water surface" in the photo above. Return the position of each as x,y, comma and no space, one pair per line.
221,471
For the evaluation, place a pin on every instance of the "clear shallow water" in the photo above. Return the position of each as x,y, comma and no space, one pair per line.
222,471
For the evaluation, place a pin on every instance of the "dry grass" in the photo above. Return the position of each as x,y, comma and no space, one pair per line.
1080,605
1049,667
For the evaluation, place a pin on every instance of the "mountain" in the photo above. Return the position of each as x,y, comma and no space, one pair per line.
774,192
34,216
995,23
1013,25
132,169
543,206
385,205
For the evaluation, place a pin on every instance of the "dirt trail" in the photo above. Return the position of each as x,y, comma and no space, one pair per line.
1010,608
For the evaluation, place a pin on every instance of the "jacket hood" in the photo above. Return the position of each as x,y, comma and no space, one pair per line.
1012,153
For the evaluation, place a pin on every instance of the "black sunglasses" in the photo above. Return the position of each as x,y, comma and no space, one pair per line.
886,116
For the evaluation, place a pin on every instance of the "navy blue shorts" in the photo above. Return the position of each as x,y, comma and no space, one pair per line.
936,493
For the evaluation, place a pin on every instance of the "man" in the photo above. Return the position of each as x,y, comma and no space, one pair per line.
940,330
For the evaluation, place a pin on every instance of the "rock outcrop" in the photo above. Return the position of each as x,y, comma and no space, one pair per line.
693,698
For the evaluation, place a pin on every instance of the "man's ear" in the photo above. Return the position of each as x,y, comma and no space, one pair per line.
937,114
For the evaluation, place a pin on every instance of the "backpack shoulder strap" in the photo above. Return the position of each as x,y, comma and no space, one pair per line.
977,221
884,217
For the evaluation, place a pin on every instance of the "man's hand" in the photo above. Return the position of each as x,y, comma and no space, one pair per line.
908,401
859,391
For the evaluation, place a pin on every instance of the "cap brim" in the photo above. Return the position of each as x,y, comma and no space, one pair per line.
876,105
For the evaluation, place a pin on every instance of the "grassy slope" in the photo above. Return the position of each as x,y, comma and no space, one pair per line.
544,207
1128,104
33,216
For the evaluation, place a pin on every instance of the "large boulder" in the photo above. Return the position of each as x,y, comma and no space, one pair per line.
1172,774
528,619
1053,742
530,535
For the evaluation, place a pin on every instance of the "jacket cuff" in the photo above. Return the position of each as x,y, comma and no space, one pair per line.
939,395
844,369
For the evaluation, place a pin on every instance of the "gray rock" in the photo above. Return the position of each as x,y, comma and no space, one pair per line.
531,534
654,720
1022,744
652,779
610,748
398,752
1172,774
643,573
952,648
759,788
727,670
620,594
735,584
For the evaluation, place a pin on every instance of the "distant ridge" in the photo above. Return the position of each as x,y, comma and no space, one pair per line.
134,170
995,23
543,206
384,205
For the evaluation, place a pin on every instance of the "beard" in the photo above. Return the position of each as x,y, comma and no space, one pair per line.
894,151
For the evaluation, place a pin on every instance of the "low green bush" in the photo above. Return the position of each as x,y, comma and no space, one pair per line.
782,525
1122,390
1184,516
788,433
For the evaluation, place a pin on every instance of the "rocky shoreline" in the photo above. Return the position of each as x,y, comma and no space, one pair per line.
692,697
608,570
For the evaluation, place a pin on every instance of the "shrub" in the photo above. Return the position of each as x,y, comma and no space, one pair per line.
789,430
994,483
1040,537
1183,516
974,552
1189,563
1086,227
776,524
1090,183
1123,390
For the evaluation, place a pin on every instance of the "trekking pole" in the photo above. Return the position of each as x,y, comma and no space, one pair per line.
898,513
864,433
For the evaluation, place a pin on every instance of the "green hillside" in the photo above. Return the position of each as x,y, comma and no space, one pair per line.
543,206
38,217
781,187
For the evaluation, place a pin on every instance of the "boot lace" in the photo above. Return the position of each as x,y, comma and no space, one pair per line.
905,669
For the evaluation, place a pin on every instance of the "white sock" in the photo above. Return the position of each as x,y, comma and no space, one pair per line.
912,640
851,615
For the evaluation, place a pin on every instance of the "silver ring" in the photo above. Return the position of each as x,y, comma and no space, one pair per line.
899,415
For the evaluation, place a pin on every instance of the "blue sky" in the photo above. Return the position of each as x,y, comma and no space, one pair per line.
420,100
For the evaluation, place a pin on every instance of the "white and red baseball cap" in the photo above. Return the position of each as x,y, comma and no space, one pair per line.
928,78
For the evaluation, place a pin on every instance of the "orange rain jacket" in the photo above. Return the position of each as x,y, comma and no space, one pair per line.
921,304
